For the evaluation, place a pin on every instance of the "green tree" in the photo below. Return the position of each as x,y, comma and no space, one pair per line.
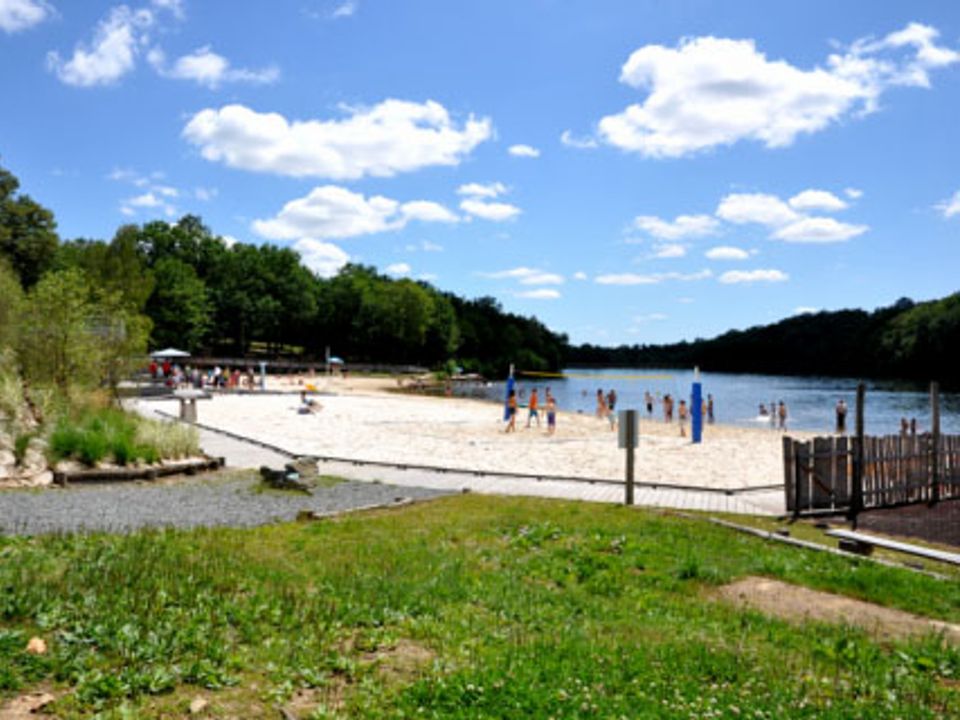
11,305
179,305
56,343
28,232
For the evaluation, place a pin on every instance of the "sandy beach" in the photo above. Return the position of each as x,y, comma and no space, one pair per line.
361,419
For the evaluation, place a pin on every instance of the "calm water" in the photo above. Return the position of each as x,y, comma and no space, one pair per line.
810,400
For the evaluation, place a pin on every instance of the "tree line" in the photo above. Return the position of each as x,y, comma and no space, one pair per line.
179,284
907,340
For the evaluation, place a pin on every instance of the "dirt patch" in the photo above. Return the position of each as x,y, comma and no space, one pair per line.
401,661
26,707
798,604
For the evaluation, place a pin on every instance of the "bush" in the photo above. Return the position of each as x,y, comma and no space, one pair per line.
94,435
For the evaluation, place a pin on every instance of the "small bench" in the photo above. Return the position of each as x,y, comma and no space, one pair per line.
863,545
188,403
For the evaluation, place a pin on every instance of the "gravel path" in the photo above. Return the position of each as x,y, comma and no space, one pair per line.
205,501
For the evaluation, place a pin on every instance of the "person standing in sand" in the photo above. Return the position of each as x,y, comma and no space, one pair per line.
841,417
682,417
782,415
601,405
534,413
710,409
611,404
648,399
511,412
551,414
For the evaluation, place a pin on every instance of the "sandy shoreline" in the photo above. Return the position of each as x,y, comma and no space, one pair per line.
362,420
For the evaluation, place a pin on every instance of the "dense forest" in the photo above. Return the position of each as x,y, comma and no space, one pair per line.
906,340
180,284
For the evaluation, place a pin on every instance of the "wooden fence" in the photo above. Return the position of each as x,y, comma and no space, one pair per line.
827,474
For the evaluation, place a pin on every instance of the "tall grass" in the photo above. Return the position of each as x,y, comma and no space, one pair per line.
96,435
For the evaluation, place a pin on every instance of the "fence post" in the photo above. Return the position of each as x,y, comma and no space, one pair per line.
935,442
856,486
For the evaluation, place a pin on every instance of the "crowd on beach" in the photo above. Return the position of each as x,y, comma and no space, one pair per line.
175,376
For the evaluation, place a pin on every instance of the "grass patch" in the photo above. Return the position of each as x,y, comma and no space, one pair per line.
98,434
504,608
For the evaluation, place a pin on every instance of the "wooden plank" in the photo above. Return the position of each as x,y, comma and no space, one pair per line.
803,453
789,474
842,473
821,481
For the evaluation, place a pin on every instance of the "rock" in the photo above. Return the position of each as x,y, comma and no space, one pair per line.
26,706
6,471
34,461
37,646
7,457
37,479
198,705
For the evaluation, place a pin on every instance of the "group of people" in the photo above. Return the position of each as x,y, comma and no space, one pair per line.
179,377
777,414
683,409
606,407
533,410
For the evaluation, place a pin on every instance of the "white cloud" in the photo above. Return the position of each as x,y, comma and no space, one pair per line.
579,275
400,268
581,143
803,310
669,250
542,294
392,137
173,6
708,92
527,151
527,276
650,279
751,276
428,246
819,230
479,190
209,69
725,252
152,200
853,193
495,211
427,211
17,15
113,53
330,211
816,200
325,259
951,206
740,208
683,226
204,194
229,240
345,9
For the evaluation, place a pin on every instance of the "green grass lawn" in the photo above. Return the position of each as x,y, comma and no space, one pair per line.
462,607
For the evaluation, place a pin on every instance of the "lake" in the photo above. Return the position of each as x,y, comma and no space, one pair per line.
810,400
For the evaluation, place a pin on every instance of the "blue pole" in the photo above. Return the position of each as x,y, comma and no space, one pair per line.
696,413
506,400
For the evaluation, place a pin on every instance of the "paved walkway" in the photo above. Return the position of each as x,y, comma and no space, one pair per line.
239,453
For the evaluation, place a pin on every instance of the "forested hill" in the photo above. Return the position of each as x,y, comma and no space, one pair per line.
906,340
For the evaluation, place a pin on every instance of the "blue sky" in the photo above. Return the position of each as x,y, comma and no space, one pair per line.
628,172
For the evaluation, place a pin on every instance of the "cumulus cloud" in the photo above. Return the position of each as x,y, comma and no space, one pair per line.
816,200
153,200
732,277
669,250
330,211
527,151
400,268
950,207
155,197
392,137
650,279
708,92
725,252
526,276
495,211
111,55
541,294
683,226
741,208
325,259
207,68
480,190
819,230
804,310
853,193
579,275
345,9
580,143
17,15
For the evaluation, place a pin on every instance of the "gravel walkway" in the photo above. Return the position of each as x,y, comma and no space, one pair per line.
205,501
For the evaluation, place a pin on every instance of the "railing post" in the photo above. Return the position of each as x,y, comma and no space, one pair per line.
856,486
935,443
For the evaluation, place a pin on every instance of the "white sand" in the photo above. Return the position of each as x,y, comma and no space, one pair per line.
361,421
